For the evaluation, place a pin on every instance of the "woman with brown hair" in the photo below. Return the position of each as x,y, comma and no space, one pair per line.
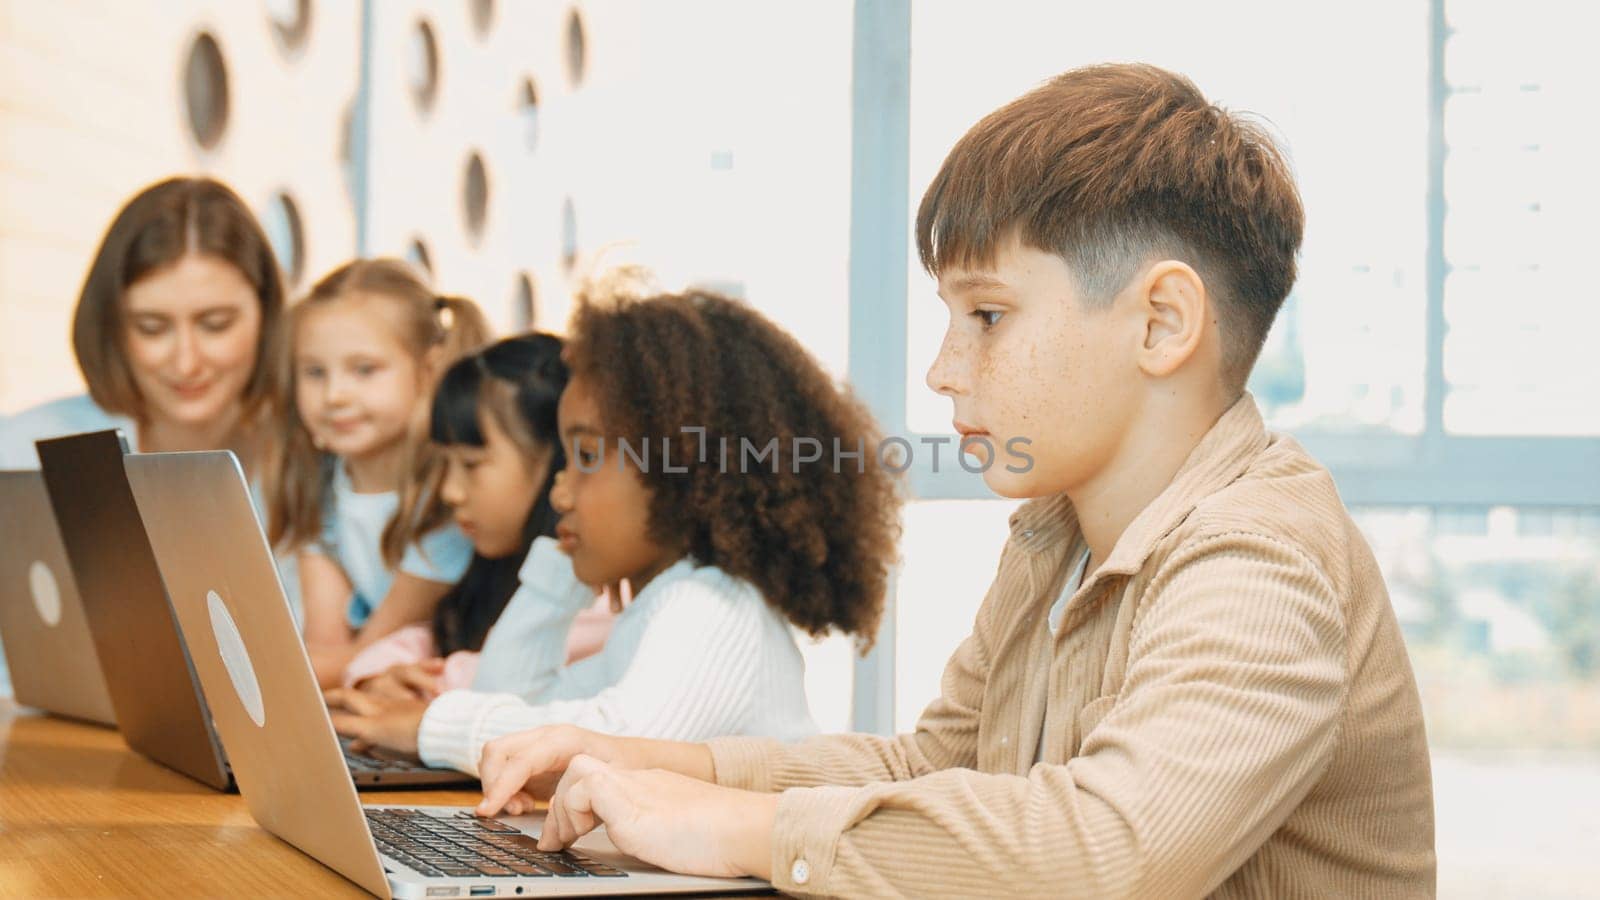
171,330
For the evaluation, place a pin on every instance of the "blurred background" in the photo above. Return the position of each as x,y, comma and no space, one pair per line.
1436,352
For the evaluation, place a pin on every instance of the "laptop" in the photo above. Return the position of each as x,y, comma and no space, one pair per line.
225,592
52,658
157,698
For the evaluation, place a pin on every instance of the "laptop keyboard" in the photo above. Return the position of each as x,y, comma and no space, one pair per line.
361,762
465,846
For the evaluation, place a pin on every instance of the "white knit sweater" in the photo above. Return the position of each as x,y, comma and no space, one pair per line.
697,654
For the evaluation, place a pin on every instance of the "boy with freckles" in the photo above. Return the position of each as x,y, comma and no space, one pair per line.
1186,678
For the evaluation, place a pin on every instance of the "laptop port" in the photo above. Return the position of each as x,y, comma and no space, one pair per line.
486,890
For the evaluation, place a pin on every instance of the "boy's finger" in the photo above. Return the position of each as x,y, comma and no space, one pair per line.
563,829
522,803
581,818
550,835
506,778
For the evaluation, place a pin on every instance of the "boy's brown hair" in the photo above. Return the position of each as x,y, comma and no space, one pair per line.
1111,167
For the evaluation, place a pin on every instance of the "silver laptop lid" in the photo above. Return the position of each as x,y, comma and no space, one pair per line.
157,699
48,647
269,710
230,604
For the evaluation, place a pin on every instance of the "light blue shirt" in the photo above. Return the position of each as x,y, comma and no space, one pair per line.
352,536
68,415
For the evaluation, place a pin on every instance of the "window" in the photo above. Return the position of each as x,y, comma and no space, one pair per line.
1520,187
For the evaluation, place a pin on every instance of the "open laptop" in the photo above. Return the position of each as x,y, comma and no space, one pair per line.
158,700
53,664
264,695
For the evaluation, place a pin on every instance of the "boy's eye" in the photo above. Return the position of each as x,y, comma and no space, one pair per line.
149,327
989,317
311,372
366,369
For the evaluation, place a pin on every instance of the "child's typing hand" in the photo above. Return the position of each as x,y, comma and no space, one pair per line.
389,724
673,821
405,681
519,767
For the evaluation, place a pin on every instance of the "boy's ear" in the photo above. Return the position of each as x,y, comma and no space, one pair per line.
1172,303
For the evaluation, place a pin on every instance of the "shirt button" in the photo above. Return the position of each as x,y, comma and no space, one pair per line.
800,872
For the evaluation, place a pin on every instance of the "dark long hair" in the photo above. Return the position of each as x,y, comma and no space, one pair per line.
518,382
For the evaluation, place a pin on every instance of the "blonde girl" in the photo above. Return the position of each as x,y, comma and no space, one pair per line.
354,491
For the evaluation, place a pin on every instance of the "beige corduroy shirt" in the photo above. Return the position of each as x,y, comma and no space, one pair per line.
1227,709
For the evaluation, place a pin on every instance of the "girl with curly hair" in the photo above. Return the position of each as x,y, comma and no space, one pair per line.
692,482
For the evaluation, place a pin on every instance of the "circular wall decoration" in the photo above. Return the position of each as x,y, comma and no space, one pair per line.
528,110
577,48
569,235
205,90
422,65
524,304
290,21
347,151
282,223
475,197
417,255
482,12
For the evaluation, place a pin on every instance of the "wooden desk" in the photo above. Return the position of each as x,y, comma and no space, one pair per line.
81,815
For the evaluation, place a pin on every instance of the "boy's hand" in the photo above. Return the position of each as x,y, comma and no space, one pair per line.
519,767
389,724
405,681
666,819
